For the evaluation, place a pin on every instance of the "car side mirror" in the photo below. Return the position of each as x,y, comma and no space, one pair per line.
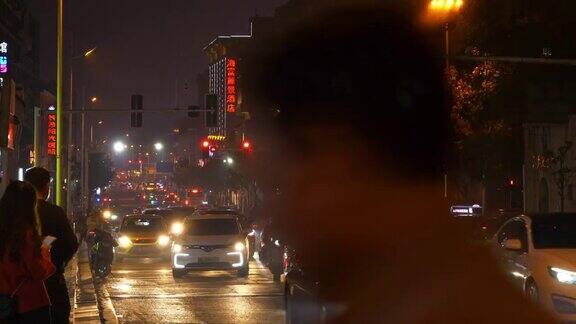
513,245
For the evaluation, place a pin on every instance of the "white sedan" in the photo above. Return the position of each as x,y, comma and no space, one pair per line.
210,242
539,254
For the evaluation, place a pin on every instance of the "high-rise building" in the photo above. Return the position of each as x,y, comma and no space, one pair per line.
19,63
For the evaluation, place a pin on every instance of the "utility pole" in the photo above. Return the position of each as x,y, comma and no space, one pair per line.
37,130
83,151
59,107
70,148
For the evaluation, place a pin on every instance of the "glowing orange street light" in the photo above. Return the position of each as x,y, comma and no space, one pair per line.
444,8
446,5
205,144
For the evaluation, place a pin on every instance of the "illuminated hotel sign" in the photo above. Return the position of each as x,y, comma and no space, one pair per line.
51,131
3,61
231,93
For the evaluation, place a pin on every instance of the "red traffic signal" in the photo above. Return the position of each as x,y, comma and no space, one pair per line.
205,144
246,146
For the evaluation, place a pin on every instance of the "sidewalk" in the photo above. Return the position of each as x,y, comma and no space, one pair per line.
83,295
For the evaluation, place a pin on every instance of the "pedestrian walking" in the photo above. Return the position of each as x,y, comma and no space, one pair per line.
24,260
55,223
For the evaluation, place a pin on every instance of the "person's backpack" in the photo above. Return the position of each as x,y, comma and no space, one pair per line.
8,304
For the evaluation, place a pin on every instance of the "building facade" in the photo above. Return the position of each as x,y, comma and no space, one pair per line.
550,166
19,65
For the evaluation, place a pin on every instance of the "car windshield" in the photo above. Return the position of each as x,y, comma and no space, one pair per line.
554,232
143,224
219,226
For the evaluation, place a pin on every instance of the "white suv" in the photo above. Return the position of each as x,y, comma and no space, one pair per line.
210,242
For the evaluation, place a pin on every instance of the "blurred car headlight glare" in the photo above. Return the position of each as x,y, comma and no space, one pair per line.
124,241
163,240
239,246
177,228
563,275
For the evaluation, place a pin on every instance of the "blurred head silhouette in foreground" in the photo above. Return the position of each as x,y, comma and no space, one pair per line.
361,139
18,220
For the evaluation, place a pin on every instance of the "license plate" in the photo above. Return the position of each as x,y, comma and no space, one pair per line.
207,259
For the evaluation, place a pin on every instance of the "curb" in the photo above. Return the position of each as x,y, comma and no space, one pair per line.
85,308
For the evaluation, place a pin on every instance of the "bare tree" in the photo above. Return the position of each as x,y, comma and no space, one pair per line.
562,173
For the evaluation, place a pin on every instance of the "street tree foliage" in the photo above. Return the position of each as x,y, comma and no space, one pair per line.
482,133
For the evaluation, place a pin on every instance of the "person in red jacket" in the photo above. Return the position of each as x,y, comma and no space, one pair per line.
24,260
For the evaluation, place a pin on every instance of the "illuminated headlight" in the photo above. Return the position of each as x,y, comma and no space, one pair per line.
176,248
177,228
106,214
124,242
163,240
239,246
563,276
277,243
114,217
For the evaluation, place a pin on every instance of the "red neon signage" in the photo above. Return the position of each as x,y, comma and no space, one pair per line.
51,134
231,95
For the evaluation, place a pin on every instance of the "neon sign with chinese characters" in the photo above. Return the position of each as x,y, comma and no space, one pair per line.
231,95
51,150
3,61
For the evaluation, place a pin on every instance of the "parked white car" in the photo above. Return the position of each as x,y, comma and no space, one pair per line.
210,242
539,253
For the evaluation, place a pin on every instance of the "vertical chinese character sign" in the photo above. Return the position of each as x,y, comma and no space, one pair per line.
3,61
231,95
51,150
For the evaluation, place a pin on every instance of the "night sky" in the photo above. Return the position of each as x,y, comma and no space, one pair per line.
144,47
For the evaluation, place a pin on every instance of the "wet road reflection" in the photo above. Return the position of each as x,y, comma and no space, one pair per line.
144,291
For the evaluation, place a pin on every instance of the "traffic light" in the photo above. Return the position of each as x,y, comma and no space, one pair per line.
246,145
211,105
193,111
136,118
205,147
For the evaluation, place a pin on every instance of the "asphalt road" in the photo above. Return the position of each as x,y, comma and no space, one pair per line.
143,291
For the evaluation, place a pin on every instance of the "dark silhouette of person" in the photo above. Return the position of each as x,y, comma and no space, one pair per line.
362,130
24,261
54,223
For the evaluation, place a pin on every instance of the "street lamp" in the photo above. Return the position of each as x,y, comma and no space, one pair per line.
90,51
119,147
94,99
83,164
158,146
446,5
445,8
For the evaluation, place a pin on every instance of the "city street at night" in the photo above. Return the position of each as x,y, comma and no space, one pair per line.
143,291
287,161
